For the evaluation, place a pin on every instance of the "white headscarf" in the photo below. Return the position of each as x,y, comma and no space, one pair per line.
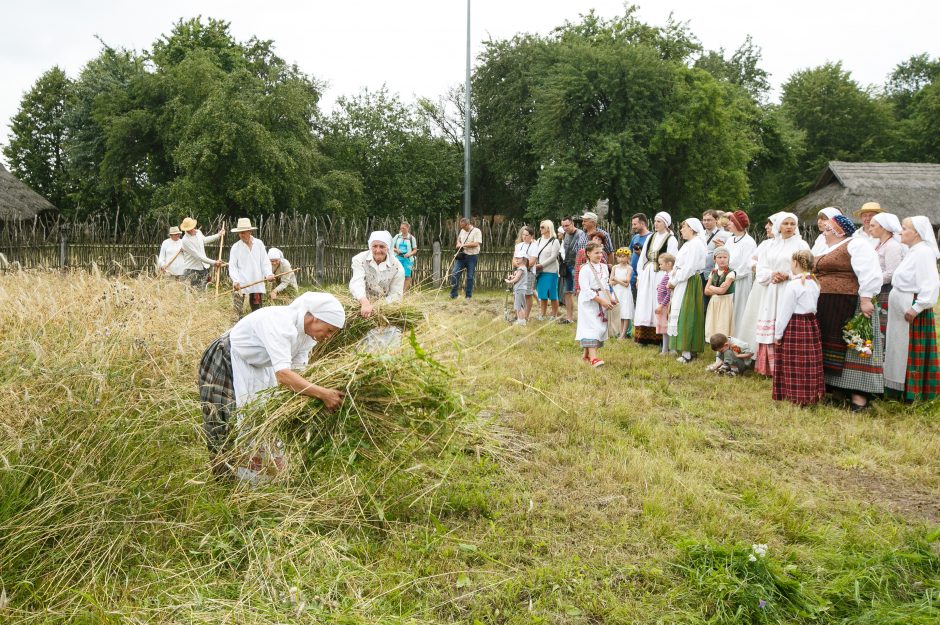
323,306
777,220
830,212
275,254
889,222
695,224
664,217
382,236
925,231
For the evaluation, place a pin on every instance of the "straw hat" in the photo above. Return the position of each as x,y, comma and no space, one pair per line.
869,207
188,224
174,230
243,225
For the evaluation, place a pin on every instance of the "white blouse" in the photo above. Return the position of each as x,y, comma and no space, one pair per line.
797,299
740,251
890,254
864,263
655,240
917,274
689,261
820,245
777,257
249,264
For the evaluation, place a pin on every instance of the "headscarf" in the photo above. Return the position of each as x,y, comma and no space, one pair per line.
846,224
778,218
889,222
381,236
323,306
695,224
664,217
829,212
275,254
721,251
925,231
740,219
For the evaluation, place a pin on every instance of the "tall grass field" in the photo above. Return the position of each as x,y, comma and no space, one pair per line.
484,474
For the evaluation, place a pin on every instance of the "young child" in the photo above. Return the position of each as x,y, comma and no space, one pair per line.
620,279
663,298
519,281
798,370
594,300
732,356
719,318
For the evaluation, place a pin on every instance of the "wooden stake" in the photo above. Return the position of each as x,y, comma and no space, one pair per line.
245,286
218,270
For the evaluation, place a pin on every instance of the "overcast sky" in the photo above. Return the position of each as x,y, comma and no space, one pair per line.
418,47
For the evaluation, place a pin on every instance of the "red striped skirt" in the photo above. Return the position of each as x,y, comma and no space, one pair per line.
798,368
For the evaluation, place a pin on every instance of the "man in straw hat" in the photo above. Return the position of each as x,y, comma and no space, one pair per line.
169,261
263,350
248,262
865,213
195,262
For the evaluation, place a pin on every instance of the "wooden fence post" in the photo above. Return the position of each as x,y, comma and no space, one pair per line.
63,248
318,259
436,262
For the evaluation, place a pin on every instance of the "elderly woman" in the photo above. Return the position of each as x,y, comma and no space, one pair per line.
822,220
376,274
649,276
849,276
686,311
773,272
741,247
912,366
260,352
547,250
282,268
885,229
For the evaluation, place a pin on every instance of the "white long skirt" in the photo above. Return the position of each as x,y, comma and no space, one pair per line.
747,329
897,339
592,321
644,313
742,291
767,317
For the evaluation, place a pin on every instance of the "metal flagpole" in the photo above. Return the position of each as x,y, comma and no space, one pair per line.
466,129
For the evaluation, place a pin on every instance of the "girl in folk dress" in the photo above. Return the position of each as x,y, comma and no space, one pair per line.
774,273
687,310
663,297
620,279
912,366
594,300
798,372
649,275
719,318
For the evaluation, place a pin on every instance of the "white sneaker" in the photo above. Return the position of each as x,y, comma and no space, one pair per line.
520,322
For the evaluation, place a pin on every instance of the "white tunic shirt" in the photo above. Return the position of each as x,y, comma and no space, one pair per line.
890,254
264,342
168,250
740,250
796,299
249,264
917,274
194,250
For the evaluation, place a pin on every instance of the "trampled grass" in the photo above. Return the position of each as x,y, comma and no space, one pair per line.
544,492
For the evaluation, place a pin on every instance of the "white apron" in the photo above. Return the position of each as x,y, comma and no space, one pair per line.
897,339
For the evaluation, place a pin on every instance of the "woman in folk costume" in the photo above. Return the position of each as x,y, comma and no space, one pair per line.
687,309
849,277
377,276
741,248
260,352
649,275
281,267
822,219
746,328
773,271
885,230
912,365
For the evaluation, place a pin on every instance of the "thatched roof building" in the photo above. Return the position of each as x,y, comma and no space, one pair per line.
904,189
17,201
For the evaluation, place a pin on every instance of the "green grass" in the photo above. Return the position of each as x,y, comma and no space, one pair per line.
555,493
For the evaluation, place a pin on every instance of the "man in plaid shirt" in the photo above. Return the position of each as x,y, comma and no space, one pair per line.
575,240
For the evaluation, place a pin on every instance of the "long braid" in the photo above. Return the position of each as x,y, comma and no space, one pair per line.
805,260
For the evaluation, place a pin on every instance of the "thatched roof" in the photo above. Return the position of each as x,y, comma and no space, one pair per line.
18,201
904,189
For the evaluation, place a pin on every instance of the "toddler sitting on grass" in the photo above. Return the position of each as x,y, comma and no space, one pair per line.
732,356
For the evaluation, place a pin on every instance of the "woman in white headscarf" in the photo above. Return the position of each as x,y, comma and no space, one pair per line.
773,271
649,276
746,327
912,366
822,219
281,267
377,276
687,307
885,231
263,350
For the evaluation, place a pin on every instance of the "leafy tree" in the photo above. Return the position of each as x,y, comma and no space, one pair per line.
742,69
36,149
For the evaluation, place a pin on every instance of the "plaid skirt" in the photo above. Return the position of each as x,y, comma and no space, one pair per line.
647,335
798,370
857,374
923,363
217,393
883,304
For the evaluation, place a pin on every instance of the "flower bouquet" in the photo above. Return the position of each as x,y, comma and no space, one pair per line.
857,334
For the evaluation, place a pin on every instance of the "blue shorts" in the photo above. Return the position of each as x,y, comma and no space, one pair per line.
546,285
406,264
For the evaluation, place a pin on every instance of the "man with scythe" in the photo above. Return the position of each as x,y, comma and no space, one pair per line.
195,262
248,267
